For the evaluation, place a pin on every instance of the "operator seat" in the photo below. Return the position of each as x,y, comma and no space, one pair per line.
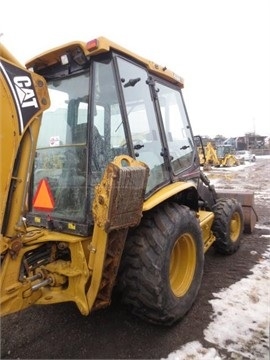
71,184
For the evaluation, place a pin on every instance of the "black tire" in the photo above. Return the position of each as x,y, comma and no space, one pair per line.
162,265
228,225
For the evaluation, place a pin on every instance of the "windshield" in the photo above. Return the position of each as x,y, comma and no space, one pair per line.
59,179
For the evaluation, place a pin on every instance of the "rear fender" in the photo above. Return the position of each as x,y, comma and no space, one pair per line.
168,192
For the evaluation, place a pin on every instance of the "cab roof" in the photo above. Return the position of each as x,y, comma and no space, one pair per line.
95,47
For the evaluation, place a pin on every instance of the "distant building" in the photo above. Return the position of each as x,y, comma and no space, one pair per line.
254,141
249,141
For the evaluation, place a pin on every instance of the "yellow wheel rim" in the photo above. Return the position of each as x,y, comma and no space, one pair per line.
235,226
182,264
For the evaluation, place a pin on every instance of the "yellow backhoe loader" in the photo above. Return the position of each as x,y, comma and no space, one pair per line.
105,193
221,155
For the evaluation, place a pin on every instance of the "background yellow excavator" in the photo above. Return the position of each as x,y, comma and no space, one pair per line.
105,193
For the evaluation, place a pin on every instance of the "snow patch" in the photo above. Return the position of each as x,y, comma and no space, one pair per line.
240,322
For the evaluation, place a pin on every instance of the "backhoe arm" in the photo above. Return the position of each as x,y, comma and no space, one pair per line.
24,97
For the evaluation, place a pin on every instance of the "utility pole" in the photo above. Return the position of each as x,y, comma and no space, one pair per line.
255,142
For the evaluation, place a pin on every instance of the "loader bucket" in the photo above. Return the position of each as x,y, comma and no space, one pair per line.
246,198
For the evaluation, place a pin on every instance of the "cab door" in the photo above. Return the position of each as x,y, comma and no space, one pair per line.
178,133
143,123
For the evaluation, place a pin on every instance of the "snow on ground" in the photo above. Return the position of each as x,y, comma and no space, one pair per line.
240,324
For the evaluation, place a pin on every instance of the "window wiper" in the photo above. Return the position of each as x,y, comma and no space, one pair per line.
184,147
132,82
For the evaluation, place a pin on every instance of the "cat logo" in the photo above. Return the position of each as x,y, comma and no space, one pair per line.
24,91
43,199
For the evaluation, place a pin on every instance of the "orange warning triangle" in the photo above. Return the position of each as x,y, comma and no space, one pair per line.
43,199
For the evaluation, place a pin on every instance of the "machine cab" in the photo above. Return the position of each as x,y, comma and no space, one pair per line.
105,101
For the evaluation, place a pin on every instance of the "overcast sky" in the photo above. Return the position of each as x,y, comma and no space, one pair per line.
220,47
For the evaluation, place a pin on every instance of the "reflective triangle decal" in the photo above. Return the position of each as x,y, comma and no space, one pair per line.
43,199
